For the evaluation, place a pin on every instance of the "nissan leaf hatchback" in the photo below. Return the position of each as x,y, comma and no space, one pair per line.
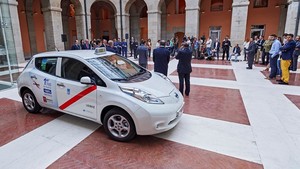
103,87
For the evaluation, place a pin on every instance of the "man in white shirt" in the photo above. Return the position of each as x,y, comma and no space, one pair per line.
208,46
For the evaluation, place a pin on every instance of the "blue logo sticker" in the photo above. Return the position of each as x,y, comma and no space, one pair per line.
47,82
68,91
47,91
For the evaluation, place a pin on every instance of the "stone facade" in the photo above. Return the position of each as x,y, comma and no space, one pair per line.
157,22
291,18
239,21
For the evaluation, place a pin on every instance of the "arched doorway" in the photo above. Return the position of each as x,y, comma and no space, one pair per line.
69,10
32,27
138,19
179,37
172,18
103,20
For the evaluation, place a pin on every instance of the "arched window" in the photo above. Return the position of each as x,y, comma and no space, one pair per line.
216,5
260,3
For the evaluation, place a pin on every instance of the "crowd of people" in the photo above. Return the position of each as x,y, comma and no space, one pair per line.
115,45
279,54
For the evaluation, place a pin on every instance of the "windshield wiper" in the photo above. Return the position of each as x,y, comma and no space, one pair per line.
119,79
142,71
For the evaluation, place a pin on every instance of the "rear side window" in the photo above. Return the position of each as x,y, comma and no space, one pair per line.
46,64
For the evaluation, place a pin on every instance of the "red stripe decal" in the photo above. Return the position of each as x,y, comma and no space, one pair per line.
77,97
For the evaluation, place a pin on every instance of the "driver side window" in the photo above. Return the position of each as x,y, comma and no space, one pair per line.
73,69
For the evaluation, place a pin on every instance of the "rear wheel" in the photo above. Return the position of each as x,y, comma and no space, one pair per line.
30,103
119,125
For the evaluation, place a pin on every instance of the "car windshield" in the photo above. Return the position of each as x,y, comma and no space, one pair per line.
115,67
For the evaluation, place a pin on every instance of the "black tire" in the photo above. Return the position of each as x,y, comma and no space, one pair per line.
30,103
118,125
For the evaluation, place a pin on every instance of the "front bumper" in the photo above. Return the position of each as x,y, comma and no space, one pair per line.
159,120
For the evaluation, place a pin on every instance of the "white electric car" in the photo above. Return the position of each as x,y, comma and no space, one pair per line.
103,87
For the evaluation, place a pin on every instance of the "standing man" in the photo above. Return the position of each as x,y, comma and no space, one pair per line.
119,46
208,46
296,54
260,48
161,58
110,46
274,54
86,45
76,46
184,68
250,53
143,56
226,44
217,48
287,51
135,46
124,48
267,47
131,46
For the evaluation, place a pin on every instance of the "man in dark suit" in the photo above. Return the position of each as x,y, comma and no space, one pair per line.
76,46
124,48
235,52
86,45
250,53
216,48
286,58
226,44
161,58
142,53
109,46
135,46
184,68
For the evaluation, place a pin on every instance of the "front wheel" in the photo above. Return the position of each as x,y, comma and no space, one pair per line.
118,125
30,103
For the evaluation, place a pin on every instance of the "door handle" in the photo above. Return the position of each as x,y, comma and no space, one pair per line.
33,77
60,84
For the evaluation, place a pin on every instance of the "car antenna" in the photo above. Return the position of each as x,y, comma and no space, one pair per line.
56,49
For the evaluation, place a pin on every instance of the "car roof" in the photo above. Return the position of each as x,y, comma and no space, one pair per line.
83,54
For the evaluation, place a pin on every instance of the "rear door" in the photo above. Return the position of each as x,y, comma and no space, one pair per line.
72,96
43,78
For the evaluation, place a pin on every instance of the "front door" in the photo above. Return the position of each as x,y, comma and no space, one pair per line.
72,96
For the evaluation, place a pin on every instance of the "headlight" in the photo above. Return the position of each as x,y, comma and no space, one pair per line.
141,95
164,77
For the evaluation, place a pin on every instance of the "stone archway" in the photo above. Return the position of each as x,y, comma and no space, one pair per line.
172,18
32,23
71,10
103,24
138,19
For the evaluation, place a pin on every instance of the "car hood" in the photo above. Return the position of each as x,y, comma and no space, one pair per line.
155,85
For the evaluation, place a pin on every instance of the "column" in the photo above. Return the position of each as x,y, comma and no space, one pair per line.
135,27
80,26
154,26
291,19
282,20
118,25
53,28
65,26
89,26
126,25
239,21
192,21
31,31
15,45
164,35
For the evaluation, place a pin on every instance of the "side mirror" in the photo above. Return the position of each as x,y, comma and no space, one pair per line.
86,80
